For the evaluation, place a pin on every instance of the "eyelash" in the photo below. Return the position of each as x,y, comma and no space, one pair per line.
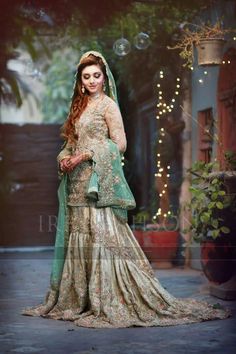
96,76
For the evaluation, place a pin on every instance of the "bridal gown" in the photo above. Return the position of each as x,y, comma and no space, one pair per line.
107,281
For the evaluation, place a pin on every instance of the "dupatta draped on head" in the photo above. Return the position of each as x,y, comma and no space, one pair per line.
111,90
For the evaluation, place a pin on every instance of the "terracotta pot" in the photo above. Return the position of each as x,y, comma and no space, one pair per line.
217,260
210,51
160,247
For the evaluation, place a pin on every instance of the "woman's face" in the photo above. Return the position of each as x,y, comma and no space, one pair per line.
92,78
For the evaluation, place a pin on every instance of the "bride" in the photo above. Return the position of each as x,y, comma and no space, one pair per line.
100,276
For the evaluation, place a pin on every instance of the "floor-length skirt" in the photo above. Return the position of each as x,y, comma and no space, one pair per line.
107,281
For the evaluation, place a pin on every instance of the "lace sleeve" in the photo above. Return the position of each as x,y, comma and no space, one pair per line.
115,126
65,152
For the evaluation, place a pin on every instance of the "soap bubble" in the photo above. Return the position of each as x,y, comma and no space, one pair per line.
121,47
142,40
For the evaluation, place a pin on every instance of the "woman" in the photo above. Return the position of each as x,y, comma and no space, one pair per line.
100,276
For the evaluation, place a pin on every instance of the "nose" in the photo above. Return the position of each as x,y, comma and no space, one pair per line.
91,80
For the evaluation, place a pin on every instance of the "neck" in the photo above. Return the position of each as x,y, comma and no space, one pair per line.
94,96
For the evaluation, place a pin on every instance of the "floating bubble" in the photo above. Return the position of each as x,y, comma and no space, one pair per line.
121,47
142,41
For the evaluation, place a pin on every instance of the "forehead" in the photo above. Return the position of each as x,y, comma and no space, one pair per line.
91,69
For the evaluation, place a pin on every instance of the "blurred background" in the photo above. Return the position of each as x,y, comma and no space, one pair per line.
162,101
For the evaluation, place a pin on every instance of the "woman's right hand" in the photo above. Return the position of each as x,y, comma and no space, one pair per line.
64,164
69,163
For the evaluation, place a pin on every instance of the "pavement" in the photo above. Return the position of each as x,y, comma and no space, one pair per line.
24,280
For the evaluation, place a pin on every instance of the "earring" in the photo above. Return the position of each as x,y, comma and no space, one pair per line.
104,86
83,89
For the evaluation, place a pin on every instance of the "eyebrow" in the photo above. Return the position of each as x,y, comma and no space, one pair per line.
97,72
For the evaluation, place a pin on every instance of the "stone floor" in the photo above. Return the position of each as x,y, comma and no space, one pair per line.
24,278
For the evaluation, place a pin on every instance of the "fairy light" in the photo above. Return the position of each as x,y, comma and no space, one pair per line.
163,109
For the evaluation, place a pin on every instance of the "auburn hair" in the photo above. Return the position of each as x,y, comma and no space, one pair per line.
79,99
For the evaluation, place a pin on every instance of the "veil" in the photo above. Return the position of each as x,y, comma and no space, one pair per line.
111,90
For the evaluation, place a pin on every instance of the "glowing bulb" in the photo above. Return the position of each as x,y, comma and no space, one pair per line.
171,106
158,155
169,213
161,76
223,62
158,85
160,92
162,129
164,111
160,112
161,169
160,141
173,100
161,72
170,110
165,215
168,175
191,68
155,175
178,86
168,167
160,97
157,117
234,38
154,217
165,185
163,191
229,62
205,72
164,104
160,195
178,79
200,80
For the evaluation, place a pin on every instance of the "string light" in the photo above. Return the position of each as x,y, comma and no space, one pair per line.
163,108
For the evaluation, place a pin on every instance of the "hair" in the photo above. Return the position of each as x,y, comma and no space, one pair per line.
79,100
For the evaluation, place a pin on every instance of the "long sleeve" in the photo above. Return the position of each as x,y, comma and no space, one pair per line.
65,152
115,126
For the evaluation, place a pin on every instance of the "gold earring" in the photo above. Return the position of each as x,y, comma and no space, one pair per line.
104,86
83,89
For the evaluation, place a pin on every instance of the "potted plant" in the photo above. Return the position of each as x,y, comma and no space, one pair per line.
209,40
213,225
158,241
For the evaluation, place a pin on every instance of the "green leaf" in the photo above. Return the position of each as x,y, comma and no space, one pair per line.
214,181
205,217
215,223
219,205
211,205
222,193
214,196
215,233
225,230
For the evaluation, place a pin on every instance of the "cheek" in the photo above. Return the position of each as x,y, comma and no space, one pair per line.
100,79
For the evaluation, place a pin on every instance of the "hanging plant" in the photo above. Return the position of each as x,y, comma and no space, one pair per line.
208,40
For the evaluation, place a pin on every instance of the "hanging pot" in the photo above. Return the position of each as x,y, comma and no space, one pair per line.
210,51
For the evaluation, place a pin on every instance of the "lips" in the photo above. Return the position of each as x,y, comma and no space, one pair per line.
92,87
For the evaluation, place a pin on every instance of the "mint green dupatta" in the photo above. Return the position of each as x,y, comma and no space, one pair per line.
62,235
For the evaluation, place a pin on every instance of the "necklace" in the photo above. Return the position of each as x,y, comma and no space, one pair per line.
95,97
